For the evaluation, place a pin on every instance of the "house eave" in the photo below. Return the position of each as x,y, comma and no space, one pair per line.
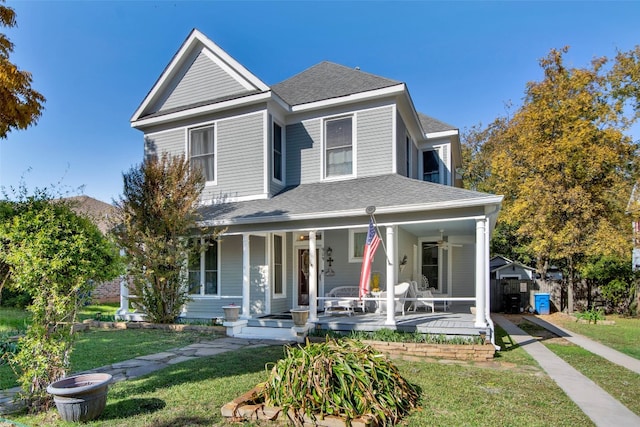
205,109
467,203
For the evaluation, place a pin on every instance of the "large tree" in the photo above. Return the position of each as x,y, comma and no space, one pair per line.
158,215
564,165
20,105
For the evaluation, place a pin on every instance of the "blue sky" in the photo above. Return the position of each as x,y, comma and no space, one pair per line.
95,62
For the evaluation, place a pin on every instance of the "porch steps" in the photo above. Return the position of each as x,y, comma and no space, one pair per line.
259,332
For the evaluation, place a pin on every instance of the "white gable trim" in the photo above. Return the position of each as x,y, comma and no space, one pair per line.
192,112
219,56
441,134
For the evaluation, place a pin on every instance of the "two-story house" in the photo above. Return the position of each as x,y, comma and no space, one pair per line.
291,169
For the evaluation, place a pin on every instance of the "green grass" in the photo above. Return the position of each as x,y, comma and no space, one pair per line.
621,383
99,347
13,320
89,312
192,393
624,336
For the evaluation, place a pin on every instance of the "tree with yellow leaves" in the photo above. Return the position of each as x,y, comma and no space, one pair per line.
565,165
20,105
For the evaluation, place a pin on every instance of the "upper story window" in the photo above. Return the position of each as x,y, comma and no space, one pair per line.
277,152
338,147
202,151
408,155
203,269
430,166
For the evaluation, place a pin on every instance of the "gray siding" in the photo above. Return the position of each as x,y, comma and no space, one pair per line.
406,241
303,152
463,272
240,153
401,135
348,273
202,80
375,141
230,282
171,142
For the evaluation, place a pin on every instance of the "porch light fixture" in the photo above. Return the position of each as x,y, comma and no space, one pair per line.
329,271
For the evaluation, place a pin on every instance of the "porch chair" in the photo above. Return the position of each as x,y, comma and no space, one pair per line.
400,291
415,293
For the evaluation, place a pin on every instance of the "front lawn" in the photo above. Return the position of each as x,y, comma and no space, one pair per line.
624,336
192,393
100,347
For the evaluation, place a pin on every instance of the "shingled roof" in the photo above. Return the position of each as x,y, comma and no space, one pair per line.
102,214
429,124
321,198
328,80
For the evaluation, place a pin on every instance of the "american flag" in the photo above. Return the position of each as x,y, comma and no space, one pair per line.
370,246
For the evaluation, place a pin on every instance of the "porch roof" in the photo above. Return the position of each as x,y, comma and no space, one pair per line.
388,193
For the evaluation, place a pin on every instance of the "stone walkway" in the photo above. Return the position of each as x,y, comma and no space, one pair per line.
596,403
143,365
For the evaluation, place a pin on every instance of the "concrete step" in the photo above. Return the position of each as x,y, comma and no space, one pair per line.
277,334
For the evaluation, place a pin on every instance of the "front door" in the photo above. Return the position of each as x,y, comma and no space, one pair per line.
303,275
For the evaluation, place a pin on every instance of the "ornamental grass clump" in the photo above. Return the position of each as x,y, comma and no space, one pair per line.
344,378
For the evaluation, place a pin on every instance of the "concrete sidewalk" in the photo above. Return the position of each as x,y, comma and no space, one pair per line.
594,347
596,403
143,365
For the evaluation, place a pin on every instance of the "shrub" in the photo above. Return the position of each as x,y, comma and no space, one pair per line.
591,315
344,378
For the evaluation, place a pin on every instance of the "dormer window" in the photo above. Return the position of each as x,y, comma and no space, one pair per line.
277,152
430,166
202,151
338,138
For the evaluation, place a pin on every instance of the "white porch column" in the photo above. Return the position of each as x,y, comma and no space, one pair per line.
246,278
391,275
124,295
481,266
313,279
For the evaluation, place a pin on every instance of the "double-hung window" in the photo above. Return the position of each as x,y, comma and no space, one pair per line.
202,151
357,241
203,268
277,152
338,137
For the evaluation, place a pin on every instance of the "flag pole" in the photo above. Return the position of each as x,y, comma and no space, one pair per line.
370,210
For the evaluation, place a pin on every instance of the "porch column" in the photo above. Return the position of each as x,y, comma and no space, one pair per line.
122,312
246,278
391,276
481,267
313,279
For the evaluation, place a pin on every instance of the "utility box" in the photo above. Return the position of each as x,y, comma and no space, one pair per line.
543,304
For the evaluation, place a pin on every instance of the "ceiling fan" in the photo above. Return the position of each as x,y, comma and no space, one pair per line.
444,244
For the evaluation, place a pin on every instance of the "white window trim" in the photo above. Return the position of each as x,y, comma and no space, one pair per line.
282,295
202,295
354,151
352,232
214,125
282,152
438,151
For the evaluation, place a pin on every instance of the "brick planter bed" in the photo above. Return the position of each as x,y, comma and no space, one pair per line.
420,351
245,408
87,324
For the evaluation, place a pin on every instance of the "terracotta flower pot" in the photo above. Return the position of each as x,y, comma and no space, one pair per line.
81,397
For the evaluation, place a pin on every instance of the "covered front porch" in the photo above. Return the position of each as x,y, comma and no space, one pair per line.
458,321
